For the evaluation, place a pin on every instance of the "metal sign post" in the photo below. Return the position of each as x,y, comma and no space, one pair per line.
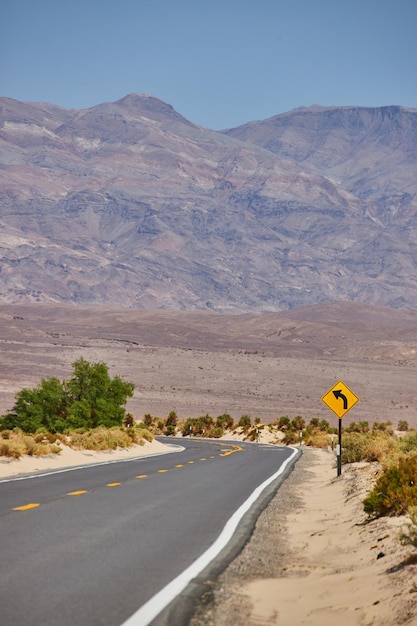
340,399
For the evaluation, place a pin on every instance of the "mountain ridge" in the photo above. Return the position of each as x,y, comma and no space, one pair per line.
131,203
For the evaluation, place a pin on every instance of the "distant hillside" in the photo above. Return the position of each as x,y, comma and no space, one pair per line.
130,204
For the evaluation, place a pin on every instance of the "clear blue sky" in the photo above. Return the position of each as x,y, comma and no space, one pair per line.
220,63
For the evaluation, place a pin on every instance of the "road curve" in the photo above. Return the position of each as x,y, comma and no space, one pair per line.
129,543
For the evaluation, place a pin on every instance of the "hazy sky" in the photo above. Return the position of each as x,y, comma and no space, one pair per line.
220,63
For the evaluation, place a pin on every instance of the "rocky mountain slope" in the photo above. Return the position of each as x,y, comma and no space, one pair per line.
130,204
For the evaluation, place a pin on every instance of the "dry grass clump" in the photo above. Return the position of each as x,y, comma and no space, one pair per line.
319,439
376,446
14,444
104,438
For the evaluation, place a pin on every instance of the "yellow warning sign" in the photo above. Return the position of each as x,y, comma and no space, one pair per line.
340,399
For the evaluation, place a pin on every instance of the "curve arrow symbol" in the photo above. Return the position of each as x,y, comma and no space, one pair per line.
338,394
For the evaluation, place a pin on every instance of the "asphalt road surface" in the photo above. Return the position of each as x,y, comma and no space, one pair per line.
130,542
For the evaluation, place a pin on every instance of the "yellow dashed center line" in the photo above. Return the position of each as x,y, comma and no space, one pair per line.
33,505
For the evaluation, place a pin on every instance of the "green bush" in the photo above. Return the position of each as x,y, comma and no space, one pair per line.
172,419
245,422
298,423
395,490
225,421
283,423
291,437
198,426
90,398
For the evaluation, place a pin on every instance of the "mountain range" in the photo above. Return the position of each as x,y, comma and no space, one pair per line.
129,204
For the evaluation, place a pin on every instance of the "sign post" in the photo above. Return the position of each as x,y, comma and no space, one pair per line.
340,399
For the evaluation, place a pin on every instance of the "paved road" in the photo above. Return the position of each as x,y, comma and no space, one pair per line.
91,546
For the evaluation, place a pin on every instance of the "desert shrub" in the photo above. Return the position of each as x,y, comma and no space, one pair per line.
381,446
318,439
11,449
148,420
298,423
20,444
101,439
45,437
283,423
170,430
5,434
290,437
172,419
225,421
129,420
245,422
384,426
402,426
361,427
377,446
409,537
354,446
198,426
395,490
408,444
145,434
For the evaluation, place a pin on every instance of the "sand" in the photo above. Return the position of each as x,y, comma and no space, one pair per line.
334,575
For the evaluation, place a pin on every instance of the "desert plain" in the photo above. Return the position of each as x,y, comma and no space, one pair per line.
194,363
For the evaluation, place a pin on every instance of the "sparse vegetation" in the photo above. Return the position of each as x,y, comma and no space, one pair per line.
105,438
378,445
14,444
395,490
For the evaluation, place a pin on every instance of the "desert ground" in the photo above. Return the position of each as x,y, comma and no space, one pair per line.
194,363
312,560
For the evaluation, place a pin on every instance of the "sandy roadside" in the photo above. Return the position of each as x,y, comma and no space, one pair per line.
313,561
336,575
69,458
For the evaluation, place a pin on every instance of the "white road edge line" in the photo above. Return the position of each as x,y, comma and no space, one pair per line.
151,609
